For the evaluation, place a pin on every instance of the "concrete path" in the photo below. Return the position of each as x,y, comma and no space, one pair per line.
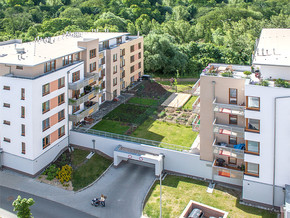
176,100
125,187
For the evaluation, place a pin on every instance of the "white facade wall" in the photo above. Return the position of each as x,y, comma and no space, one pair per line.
274,72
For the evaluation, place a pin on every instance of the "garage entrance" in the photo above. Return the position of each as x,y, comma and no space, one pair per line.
138,157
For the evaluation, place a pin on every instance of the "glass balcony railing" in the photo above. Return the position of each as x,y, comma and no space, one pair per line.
234,172
196,88
196,106
227,150
82,83
83,99
196,124
227,129
228,108
78,116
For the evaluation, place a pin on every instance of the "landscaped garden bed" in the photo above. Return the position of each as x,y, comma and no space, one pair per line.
177,191
73,171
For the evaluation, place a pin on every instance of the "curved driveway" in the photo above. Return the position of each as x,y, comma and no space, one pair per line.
125,187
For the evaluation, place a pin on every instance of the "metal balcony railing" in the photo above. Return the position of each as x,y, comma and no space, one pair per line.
227,172
86,112
227,151
196,88
228,108
196,124
84,98
86,81
196,106
226,129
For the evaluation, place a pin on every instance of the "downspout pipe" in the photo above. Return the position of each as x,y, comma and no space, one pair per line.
274,149
213,84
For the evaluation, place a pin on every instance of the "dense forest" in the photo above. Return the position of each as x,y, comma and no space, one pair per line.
179,35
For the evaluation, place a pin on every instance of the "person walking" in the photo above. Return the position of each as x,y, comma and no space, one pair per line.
102,200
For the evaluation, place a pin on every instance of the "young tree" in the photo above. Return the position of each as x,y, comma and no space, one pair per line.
22,207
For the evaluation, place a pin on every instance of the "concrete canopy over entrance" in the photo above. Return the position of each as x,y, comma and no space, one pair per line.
123,153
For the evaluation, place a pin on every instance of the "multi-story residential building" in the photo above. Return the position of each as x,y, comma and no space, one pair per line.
245,120
50,85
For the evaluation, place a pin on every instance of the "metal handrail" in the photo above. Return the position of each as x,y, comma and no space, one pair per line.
237,153
195,86
237,174
228,106
231,128
80,84
196,105
84,98
86,112
132,139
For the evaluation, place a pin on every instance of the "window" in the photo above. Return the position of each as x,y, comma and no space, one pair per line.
252,147
123,74
92,53
252,125
22,94
139,45
122,63
122,52
61,99
45,124
106,44
45,142
139,65
132,59
49,66
103,85
119,40
233,96
6,122
233,119
252,169
23,149
115,93
61,82
19,67
61,132
103,97
132,48
132,69
45,89
114,57
22,130
139,74
232,160
132,79
78,56
253,103
232,140
67,60
6,87
114,81
115,69
45,107
103,61
75,76
60,115
7,140
92,67
139,55
6,105
75,108
22,112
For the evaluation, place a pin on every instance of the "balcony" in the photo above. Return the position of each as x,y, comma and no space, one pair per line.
80,84
227,129
227,150
100,68
196,88
83,99
196,106
196,124
78,116
228,108
228,170
101,54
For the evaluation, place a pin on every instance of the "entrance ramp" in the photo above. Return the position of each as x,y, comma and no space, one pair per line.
127,154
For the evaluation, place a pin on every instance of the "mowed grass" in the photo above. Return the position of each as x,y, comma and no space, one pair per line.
88,172
166,132
188,104
178,191
111,126
181,86
143,101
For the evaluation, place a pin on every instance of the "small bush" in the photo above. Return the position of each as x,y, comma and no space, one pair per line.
64,175
247,73
282,83
227,74
264,83
51,172
161,114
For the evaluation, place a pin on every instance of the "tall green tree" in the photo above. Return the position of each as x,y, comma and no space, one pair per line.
22,207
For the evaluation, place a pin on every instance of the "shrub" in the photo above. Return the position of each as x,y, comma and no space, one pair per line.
264,83
64,175
161,114
247,73
51,172
227,74
282,83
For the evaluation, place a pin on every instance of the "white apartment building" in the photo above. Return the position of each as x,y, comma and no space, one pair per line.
50,85
245,120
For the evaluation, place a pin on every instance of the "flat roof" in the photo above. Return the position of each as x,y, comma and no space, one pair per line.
40,51
273,47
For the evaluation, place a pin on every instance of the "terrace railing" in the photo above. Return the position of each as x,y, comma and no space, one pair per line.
227,172
196,106
86,81
226,129
227,151
84,98
228,108
196,124
132,139
196,88
86,112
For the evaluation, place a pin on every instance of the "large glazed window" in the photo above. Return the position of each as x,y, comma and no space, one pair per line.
252,125
253,103
233,95
252,169
252,147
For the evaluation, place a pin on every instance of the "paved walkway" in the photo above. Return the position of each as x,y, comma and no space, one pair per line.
125,187
176,100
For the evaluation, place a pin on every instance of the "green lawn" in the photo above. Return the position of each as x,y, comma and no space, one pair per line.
143,101
166,132
178,191
188,104
181,86
111,126
89,171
